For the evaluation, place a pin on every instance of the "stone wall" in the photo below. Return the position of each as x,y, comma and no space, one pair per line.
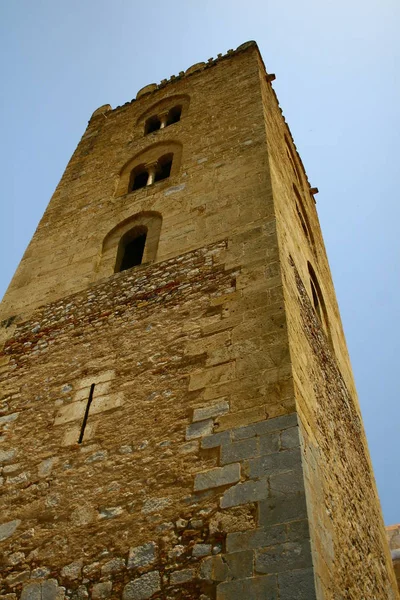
183,429
350,553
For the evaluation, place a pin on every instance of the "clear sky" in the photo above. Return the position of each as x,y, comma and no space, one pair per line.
337,66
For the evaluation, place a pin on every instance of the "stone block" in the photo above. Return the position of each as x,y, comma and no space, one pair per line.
213,441
214,568
217,477
297,585
143,587
270,443
201,550
73,570
238,451
178,577
283,557
290,438
253,588
196,430
240,564
208,412
52,591
276,424
7,529
242,433
211,376
114,565
102,590
286,483
32,591
256,538
142,556
243,493
281,510
7,456
278,462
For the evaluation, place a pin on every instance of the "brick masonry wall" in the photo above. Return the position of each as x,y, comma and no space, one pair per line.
173,492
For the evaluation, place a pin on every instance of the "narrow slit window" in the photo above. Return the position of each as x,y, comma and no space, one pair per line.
86,416
139,178
152,124
164,167
131,249
174,115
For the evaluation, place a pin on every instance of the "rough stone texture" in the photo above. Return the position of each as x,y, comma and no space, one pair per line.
142,556
217,477
208,352
393,537
143,587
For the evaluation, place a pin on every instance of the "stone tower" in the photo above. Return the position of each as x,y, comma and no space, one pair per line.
178,409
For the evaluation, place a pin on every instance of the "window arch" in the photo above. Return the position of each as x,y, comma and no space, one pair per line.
155,163
166,112
303,217
131,248
130,243
318,300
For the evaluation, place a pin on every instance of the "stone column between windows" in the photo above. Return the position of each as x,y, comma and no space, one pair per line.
163,119
151,168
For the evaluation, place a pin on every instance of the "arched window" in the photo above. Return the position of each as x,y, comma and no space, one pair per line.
302,214
130,243
152,124
131,248
153,164
318,300
164,165
139,177
174,115
164,113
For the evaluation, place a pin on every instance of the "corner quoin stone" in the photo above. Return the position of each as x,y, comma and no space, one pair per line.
217,477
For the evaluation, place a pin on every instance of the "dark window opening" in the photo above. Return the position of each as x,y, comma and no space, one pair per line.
86,416
174,115
164,167
152,124
139,178
302,214
132,248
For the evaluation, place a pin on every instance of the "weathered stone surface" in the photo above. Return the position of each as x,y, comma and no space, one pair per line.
257,538
143,587
7,456
142,556
201,550
252,588
46,466
32,591
239,451
217,477
280,510
73,570
208,412
242,493
212,441
298,585
113,566
102,590
178,577
155,504
15,578
7,529
199,429
278,462
52,591
283,557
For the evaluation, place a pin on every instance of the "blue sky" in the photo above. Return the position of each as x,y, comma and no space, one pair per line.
338,84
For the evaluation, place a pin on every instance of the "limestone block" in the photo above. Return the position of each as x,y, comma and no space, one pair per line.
217,477
142,556
7,529
243,493
208,412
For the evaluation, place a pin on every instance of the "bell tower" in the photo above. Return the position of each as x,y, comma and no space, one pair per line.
178,409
